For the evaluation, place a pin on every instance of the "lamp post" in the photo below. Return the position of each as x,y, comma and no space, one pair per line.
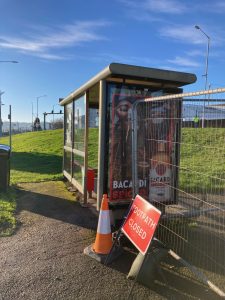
53,115
9,61
206,69
1,93
38,100
32,117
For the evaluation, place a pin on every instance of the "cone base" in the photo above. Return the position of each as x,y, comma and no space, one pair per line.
102,257
103,243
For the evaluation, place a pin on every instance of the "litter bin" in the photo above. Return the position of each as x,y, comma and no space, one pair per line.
4,167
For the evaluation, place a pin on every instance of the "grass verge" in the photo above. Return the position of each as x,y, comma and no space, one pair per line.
202,160
36,156
7,212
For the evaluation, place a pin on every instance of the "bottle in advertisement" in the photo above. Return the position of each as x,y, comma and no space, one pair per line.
158,122
160,176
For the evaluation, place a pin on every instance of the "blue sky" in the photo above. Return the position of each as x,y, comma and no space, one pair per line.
62,44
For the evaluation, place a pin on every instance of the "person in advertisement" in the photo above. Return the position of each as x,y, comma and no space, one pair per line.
121,155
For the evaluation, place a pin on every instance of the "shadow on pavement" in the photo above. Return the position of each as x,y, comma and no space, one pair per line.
57,208
173,282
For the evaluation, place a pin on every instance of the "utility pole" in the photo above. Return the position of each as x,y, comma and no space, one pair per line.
1,93
10,127
50,113
38,100
206,69
32,117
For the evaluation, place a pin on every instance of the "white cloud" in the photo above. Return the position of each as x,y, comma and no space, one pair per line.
52,56
185,34
215,7
46,39
156,6
175,6
178,63
114,57
190,35
184,62
220,5
194,53
165,6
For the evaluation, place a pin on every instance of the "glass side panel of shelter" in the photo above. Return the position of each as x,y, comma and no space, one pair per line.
79,124
79,108
75,115
67,161
68,124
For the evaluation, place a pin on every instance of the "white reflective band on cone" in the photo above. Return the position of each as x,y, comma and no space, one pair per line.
104,222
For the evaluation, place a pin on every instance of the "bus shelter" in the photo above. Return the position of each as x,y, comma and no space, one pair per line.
97,131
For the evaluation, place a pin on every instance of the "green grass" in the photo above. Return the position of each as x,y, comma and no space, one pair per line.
7,209
93,148
36,156
202,159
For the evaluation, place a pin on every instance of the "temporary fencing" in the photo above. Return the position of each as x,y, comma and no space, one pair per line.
178,147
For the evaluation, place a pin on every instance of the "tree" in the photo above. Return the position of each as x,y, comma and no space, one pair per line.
57,124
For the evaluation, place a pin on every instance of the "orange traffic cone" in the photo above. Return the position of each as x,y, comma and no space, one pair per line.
103,240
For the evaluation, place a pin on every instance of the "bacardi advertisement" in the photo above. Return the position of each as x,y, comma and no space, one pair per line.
155,150
163,154
121,151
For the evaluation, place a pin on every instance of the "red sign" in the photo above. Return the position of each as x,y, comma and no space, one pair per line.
141,223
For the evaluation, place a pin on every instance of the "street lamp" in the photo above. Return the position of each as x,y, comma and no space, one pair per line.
53,115
206,68
32,116
9,61
1,93
37,102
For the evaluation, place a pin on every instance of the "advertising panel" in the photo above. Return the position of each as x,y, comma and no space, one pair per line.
162,123
121,151
157,153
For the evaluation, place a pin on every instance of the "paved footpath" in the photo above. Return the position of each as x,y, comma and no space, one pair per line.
44,259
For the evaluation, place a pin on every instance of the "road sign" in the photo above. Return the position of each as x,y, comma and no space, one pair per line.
141,223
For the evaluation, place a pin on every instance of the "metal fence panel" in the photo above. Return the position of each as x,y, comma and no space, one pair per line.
179,150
